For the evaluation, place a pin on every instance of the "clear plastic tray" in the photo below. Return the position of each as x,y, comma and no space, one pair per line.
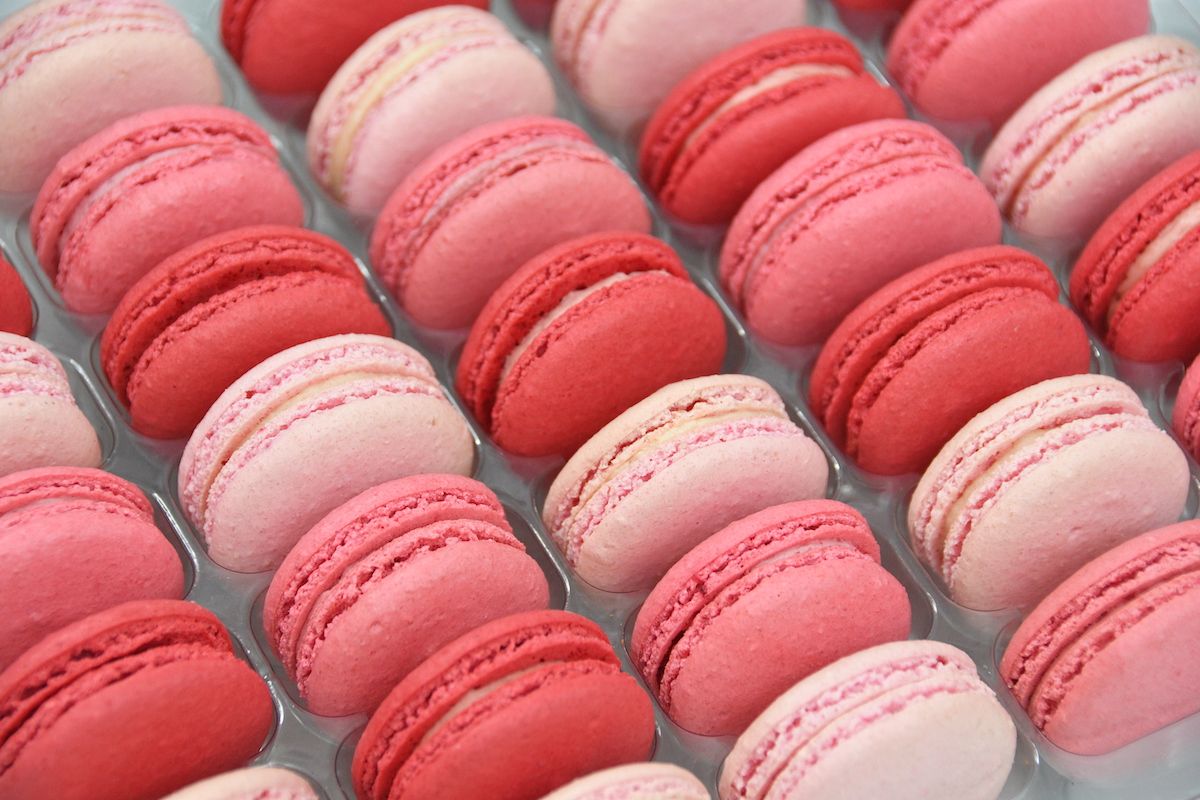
1164,765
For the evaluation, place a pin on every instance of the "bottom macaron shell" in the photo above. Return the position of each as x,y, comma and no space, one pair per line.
151,733
16,310
401,618
44,432
986,347
564,729
1156,320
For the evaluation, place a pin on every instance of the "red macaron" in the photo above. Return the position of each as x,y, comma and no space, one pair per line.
16,309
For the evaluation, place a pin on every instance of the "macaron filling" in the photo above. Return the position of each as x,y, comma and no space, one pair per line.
1167,239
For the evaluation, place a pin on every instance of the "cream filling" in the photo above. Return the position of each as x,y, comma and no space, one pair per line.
1170,236
475,695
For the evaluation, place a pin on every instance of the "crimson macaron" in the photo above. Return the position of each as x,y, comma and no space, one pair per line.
147,186
386,579
1138,280
802,581
729,124
16,309
985,321
511,711
1185,420
129,704
579,334
213,310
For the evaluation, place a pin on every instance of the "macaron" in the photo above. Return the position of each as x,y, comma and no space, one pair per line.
409,89
484,204
903,720
209,312
872,6
295,46
1093,135
984,321
307,430
728,125
16,309
945,52
498,713
274,783
649,781
1040,483
625,56
73,67
1138,280
129,704
1124,626
74,541
579,334
192,170
1185,419
40,424
801,581
673,470
877,199
387,578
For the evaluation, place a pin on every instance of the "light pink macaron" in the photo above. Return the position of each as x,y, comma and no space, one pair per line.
649,781
252,783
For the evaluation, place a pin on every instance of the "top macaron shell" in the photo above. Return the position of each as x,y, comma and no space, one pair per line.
481,206
386,108
945,51
1136,281
874,199
625,56
147,186
295,46
72,67
1093,135
16,308
254,783
657,781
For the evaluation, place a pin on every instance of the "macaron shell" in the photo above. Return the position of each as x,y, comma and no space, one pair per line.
246,784
16,309
1185,420
45,431
657,781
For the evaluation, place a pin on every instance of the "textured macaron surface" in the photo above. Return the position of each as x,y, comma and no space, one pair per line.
193,170
1185,420
1038,484
385,110
579,334
731,123
802,580
905,719
252,783
1135,281
1089,138
446,238
1068,663
16,309
872,198
386,579
133,702
213,310
652,781
496,709
985,320
312,427
102,61
674,469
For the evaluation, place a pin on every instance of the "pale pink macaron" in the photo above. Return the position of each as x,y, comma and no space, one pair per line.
649,781
40,424
412,87
625,56
673,470
903,721
306,430
1038,484
71,67
252,783
1093,135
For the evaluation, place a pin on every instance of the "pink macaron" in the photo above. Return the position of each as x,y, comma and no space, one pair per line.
625,56
877,199
905,719
650,781
487,202
73,67
252,783
801,581
412,87
1111,654
1038,484
1185,420
147,186
387,578
673,470
305,431
1090,137
966,61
